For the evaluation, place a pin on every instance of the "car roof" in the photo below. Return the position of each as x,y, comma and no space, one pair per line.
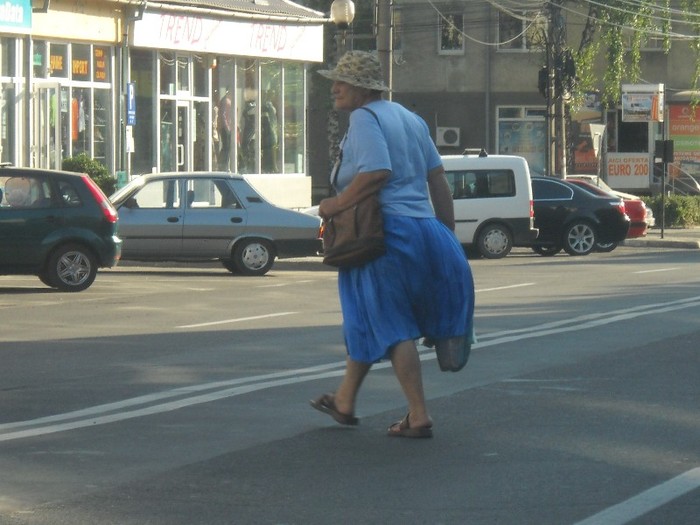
193,175
13,171
477,161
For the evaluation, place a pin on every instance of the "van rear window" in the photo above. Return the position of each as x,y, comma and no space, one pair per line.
481,184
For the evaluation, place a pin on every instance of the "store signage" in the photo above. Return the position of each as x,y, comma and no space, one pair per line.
628,170
684,130
192,33
130,104
642,102
16,16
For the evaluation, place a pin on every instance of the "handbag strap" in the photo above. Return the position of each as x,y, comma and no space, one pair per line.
336,167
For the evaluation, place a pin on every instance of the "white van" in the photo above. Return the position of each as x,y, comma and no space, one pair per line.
493,202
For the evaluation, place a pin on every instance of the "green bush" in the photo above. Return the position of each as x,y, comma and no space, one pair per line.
681,211
82,163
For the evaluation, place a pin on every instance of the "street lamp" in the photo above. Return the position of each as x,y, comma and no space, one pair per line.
342,15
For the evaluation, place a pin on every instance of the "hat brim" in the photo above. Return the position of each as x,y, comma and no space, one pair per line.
353,81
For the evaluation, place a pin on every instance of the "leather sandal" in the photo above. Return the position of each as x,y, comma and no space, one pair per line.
404,429
326,404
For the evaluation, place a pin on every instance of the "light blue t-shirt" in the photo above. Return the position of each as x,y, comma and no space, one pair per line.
400,142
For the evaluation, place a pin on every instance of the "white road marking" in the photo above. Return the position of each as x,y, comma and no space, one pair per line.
102,414
504,287
236,320
658,270
646,501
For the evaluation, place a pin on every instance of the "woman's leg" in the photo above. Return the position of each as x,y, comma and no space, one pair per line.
346,394
407,367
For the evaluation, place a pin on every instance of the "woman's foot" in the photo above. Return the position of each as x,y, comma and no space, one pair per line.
326,404
403,428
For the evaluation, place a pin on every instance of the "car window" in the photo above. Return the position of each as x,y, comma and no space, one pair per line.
159,194
26,191
210,193
69,195
470,184
550,190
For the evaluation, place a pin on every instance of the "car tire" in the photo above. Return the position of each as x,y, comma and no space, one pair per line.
579,238
253,256
546,251
605,247
495,241
71,268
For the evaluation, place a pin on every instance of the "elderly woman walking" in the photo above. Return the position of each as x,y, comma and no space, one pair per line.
422,285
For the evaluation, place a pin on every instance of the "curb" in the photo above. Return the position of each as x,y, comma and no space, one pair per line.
662,243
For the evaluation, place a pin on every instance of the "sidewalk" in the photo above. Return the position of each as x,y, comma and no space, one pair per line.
685,238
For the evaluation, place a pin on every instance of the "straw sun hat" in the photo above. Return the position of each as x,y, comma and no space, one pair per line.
358,68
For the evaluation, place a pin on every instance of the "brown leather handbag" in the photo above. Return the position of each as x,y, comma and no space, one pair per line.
354,236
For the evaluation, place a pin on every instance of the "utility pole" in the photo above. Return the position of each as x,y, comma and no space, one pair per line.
557,64
385,39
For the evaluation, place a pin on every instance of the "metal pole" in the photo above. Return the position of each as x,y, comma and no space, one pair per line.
385,39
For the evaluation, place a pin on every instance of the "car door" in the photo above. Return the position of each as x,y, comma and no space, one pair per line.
28,216
151,220
214,217
552,203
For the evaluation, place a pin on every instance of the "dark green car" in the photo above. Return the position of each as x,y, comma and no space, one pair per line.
56,225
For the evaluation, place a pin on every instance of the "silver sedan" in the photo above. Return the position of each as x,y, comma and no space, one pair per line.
208,215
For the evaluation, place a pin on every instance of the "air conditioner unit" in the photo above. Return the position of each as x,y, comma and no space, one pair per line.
447,136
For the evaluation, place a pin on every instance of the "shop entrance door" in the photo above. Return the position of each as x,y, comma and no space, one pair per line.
184,149
47,125
175,130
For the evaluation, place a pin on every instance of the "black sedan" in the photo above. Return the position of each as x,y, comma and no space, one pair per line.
573,219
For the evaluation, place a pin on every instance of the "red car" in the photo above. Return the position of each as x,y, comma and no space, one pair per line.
641,216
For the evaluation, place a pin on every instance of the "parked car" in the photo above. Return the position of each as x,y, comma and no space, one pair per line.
492,202
641,215
56,225
573,219
206,216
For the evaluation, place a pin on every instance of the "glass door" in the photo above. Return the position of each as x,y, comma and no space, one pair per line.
47,126
184,147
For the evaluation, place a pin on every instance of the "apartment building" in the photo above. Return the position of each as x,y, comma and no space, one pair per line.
470,69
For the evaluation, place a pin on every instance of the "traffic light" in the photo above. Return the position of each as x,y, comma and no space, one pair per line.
543,81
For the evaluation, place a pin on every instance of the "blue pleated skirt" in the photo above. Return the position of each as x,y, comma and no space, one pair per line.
422,286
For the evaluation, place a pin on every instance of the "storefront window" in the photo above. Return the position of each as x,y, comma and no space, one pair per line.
293,119
224,140
142,75
7,57
101,129
201,77
7,123
271,153
101,64
80,125
40,59
167,73
183,74
58,60
80,62
247,86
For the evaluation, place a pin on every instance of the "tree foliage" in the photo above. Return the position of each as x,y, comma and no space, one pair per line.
618,30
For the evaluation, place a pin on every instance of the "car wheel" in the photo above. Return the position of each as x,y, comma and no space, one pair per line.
71,268
253,256
605,247
546,251
495,241
579,238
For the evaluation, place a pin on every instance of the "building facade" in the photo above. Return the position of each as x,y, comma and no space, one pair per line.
470,69
161,86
